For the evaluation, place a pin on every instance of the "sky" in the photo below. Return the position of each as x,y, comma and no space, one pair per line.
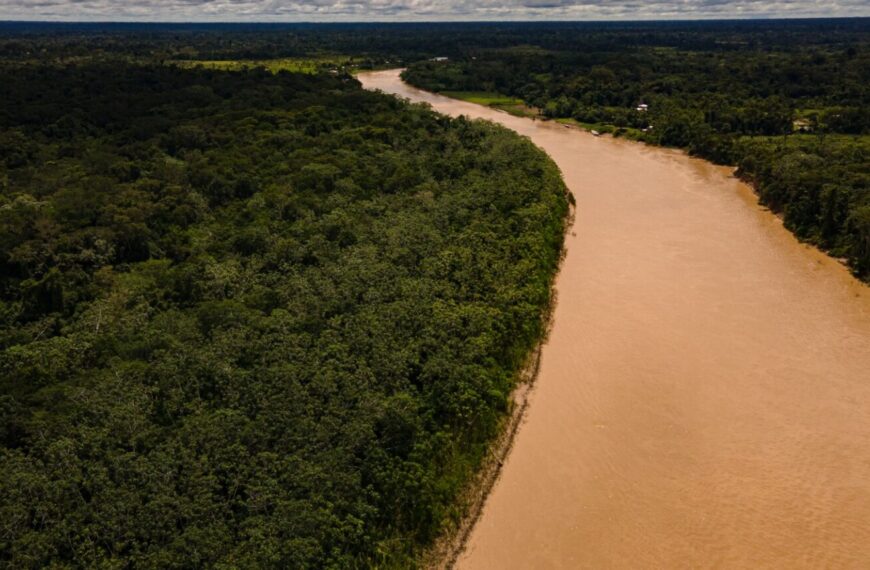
419,10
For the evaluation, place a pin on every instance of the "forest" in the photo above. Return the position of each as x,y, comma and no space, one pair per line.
254,316
787,103
253,319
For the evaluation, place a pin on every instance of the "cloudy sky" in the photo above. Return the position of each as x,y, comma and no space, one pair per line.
409,10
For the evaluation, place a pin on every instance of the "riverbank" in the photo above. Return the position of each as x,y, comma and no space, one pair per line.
700,400
449,547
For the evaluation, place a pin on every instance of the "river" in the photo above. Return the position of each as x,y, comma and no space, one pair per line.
704,395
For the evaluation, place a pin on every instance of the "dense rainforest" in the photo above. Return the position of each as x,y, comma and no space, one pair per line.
252,319
252,316
787,103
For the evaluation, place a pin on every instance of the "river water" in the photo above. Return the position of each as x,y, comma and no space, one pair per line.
704,395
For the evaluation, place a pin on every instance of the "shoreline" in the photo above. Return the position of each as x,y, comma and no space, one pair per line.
447,549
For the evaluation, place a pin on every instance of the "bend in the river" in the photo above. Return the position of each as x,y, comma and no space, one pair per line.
704,395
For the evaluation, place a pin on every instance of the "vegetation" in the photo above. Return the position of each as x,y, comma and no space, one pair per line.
293,65
252,320
786,101
312,64
511,105
482,98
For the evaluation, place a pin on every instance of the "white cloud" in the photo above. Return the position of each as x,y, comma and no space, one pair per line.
411,10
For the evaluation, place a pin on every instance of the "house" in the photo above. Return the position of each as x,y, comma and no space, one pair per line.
802,126
643,108
439,58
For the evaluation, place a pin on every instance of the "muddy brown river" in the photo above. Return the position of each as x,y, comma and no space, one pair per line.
704,395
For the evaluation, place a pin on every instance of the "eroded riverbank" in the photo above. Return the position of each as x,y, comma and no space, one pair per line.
703,395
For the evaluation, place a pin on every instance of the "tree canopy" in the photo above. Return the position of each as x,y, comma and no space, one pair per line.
252,319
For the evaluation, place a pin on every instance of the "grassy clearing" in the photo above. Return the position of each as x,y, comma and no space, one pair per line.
512,105
484,98
521,110
600,127
309,65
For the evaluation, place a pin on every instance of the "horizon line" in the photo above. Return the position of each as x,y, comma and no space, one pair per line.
434,21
